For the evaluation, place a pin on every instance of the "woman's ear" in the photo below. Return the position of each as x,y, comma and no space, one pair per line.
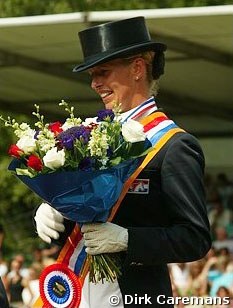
139,68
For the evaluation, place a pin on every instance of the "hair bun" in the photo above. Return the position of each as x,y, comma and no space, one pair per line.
158,65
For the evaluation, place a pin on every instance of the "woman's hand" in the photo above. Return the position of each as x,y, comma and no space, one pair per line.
49,222
104,237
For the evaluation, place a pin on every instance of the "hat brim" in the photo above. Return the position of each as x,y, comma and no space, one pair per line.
108,56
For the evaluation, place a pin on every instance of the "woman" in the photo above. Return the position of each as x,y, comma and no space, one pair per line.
167,221
14,285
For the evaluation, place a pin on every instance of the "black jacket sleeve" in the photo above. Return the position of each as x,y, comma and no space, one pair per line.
186,238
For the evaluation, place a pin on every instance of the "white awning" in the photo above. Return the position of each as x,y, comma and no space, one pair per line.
37,54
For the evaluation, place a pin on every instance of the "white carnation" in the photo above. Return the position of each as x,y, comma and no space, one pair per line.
54,159
27,143
132,131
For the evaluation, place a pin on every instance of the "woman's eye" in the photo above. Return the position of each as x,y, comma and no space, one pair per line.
103,72
100,73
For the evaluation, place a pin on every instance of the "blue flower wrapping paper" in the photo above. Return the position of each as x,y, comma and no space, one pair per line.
81,196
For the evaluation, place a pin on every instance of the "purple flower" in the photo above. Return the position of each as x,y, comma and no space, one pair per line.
105,115
68,137
36,134
67,142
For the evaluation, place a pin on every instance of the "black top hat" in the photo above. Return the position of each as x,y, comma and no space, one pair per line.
115,39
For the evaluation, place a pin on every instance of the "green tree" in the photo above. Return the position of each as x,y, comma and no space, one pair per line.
17,203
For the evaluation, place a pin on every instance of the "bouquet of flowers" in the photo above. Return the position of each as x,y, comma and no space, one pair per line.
70,164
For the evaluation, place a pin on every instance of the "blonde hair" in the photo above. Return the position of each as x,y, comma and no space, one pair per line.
148,57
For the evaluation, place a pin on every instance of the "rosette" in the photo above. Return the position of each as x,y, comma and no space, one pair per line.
60,287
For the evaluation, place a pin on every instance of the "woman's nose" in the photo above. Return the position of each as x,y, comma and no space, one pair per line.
96,83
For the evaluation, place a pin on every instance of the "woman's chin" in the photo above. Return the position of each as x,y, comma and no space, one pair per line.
109,103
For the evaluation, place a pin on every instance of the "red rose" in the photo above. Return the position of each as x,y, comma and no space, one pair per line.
15,151
55,127
35,163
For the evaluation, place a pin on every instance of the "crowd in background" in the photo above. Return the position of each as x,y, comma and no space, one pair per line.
210,276
21,281
213,275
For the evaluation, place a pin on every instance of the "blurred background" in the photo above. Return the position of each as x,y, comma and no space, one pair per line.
38,49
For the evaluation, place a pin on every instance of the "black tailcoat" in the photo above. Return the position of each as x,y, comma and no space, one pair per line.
169,224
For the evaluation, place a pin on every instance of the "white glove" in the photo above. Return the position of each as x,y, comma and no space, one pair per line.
104,237
49,222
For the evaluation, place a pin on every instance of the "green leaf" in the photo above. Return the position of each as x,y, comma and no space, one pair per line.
24,172
116,161
137,149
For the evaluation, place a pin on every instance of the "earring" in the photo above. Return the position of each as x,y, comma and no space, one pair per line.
136,78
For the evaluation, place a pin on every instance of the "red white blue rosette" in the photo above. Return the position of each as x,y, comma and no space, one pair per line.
60,287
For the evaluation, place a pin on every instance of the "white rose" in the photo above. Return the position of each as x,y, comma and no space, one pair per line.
27,144
132,131
54,159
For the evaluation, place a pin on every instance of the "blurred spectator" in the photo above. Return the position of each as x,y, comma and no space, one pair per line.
31,285
211,253
3,270
210,271
225,279
223,292
37,255
229,227
21,259
210,190
222,240
180,273
225,190
14,286
224,252
43,257
3,266
51,252
218,215
196,283
176,293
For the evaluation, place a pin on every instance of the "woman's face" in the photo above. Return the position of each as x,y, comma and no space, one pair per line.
115,82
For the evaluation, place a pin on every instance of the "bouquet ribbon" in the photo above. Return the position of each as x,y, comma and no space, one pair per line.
61,283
